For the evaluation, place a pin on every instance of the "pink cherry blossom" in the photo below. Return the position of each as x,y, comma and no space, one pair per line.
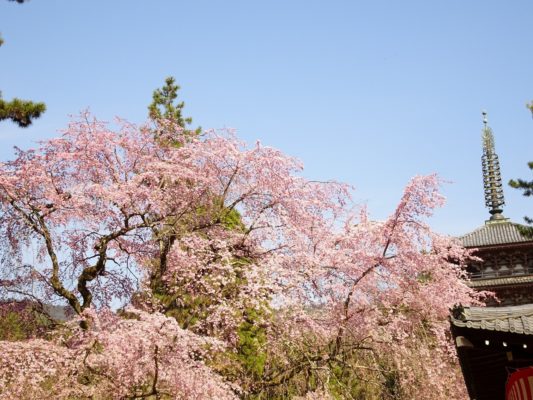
110,212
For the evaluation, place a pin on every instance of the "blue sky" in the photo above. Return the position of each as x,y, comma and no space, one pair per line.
365,92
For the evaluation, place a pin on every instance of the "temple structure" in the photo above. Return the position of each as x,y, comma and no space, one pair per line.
495,341
507,266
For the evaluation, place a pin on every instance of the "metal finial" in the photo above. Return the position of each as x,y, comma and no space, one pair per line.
492,180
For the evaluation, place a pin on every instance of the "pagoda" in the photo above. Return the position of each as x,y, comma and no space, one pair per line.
507,255
495,343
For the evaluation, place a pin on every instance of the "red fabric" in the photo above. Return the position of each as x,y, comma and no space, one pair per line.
520,385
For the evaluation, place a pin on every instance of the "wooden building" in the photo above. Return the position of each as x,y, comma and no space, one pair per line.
492,344
507,266
496,341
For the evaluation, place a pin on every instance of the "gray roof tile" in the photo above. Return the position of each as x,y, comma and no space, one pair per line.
509,280
514,319
494,233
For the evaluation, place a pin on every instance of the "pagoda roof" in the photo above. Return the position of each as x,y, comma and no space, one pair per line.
495,233
491,343
501,281
513,319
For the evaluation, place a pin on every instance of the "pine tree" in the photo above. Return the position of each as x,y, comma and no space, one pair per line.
527,189
21,112
248,357
163,106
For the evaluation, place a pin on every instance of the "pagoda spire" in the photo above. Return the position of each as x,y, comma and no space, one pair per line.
492,180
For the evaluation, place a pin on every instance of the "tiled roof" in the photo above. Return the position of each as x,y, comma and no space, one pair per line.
502,281
494,233
514,319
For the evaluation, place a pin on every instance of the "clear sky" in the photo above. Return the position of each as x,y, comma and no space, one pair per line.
365,92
